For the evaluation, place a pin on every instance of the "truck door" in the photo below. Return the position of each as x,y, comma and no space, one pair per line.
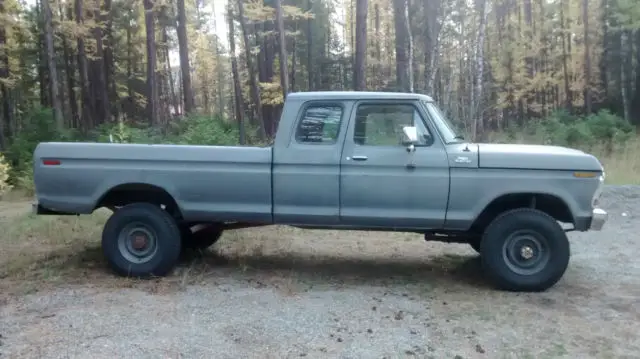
306,170
382,184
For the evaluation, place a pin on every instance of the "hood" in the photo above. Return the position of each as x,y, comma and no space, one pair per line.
535,157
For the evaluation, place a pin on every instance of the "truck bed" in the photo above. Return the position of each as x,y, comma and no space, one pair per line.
221,182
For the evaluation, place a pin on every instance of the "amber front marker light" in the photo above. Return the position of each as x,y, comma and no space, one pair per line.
585,174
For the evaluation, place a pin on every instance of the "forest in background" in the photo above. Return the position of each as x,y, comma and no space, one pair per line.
563,72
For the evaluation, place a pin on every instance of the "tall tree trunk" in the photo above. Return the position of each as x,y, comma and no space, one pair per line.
69,71
43,76
152,87
476,99
410,78
604,59
220,78
292,76
88,112
432,43
109,64
402,60
100,93
7,105
565,68
587,57
129,64
255,90
171,91
184,58
359,68
51,64
284,73
377,69
310,68
237,89
266,62
636,97
624,78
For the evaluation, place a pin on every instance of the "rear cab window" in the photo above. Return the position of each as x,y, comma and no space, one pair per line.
320,123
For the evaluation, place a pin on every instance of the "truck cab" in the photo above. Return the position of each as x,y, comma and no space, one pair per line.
340,159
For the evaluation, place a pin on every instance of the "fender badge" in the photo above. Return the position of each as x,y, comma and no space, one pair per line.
462,159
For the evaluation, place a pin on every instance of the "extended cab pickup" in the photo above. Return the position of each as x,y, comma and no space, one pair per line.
340,160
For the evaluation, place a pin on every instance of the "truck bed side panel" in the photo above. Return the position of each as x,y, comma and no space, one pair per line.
207,182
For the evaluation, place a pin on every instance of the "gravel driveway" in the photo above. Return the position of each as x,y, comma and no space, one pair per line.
285,293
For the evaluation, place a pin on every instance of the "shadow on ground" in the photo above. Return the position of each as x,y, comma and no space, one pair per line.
296,270
349,270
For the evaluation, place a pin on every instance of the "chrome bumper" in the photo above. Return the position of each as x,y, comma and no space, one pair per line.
598,219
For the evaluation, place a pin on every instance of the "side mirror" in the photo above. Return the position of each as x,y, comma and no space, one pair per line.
410,137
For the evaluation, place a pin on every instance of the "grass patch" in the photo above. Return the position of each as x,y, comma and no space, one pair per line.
623,165
48,249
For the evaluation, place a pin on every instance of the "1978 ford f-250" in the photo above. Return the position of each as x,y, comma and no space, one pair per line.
340,160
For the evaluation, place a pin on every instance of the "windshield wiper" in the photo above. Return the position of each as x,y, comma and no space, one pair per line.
459,137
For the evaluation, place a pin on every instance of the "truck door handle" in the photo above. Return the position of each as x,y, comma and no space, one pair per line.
360,158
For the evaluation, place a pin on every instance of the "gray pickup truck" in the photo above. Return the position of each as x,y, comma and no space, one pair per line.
340,160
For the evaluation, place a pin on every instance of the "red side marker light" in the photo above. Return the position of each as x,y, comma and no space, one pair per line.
51,162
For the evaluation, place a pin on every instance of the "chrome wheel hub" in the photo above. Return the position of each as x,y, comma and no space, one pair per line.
526,252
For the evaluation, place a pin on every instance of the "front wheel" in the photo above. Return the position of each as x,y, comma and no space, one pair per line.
141,240
525,250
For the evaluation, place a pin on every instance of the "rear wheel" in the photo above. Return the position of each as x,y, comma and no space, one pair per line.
141,240
525,250
200,237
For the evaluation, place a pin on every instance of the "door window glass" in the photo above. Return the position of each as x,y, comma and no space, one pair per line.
381,124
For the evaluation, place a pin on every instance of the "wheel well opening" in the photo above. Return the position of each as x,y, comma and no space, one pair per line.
125,194
550,204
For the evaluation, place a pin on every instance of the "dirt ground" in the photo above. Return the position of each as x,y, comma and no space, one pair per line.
279,292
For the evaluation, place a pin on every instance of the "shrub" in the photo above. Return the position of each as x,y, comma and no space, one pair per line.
24,180
5,169
563,129
37,126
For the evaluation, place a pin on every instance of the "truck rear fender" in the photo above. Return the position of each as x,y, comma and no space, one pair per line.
126,193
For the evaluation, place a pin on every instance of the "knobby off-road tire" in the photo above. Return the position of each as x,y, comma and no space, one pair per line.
141,240
200,238
524,250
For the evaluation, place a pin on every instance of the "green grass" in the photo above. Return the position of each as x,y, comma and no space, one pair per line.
48,248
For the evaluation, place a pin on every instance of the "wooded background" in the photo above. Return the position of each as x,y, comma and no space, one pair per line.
157,71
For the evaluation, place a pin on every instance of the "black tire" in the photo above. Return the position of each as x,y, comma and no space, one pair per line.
200,238
157,235
520,233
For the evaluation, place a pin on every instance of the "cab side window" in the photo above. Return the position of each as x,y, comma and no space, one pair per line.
381,124
319,124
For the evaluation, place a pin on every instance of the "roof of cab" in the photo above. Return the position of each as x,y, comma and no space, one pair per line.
357,95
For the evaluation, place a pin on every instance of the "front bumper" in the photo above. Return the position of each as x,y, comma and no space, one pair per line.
598,219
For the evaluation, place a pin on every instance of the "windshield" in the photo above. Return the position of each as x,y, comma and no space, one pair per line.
445,127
